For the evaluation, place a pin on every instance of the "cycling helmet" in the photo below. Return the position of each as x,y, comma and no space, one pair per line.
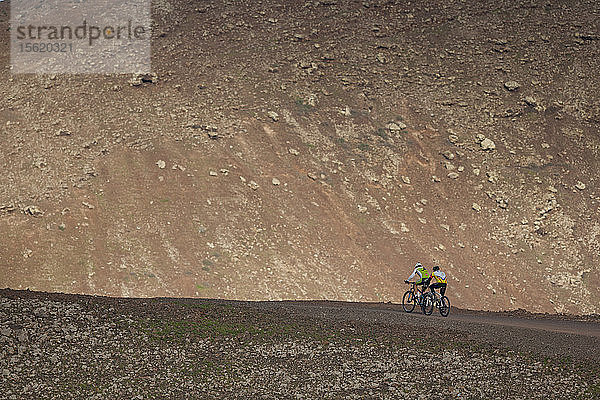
436,268
418,265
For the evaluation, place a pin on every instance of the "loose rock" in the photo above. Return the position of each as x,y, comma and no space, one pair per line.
512,86
33,211
395,127
487,144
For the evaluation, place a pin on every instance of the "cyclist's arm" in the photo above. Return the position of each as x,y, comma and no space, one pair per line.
412,275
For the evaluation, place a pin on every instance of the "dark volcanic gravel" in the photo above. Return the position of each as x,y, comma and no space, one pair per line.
70,346
519,331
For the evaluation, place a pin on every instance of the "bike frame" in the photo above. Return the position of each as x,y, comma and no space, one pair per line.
437,298
415,289
417,294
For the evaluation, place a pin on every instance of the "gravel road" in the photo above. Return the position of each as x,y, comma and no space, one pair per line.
550,335
71,346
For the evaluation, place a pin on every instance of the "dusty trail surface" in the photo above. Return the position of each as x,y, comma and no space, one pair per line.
542,333
575,327
73,346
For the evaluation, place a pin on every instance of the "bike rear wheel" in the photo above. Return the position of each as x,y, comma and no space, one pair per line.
408,301
444,306
427,306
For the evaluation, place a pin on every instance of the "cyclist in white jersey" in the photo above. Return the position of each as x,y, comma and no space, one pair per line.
423,277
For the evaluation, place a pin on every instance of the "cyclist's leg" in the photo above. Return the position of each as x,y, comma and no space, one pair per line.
419,283
426,283
443,289
434,286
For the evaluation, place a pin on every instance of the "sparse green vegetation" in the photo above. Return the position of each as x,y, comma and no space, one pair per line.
364,146
219,327
179,330
381,132
302,106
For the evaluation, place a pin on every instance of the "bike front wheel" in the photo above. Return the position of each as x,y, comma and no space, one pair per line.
408,301
444,306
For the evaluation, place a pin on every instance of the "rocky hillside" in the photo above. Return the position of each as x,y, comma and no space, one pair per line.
316,150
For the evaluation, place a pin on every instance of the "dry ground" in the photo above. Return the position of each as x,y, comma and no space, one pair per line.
67,346
373,161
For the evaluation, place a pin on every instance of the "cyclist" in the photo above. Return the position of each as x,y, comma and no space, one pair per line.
440,281
424,277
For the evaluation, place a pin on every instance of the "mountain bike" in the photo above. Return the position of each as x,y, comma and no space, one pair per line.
435,300
412,298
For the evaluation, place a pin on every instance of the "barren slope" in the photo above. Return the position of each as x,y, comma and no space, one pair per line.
371,163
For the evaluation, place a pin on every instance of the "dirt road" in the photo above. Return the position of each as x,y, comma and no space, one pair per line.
548,335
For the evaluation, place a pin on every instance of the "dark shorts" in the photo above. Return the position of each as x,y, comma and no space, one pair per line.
439,285
424,283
